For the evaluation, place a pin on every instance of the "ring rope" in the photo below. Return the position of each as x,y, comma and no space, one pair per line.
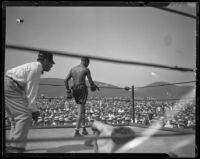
114,3
177,12
99,137
62,53
125,87
167,84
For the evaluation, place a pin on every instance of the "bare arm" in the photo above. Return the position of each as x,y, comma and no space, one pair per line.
89,77
101,127
92,84
69,76
103,146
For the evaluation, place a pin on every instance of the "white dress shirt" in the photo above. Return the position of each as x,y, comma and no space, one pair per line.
28,76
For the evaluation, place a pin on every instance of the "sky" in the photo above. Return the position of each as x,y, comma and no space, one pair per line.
143,34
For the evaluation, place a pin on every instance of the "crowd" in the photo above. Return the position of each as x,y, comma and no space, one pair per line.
58,111
175,114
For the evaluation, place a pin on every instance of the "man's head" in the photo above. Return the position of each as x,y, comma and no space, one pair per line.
46,59
127,133
85,61
120,136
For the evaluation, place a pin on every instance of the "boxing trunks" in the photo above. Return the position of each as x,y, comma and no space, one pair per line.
80,93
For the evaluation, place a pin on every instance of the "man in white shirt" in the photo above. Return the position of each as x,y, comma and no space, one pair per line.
21,87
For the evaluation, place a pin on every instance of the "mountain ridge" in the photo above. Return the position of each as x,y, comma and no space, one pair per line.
168,90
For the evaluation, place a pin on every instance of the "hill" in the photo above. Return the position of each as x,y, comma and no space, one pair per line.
163,90
55,87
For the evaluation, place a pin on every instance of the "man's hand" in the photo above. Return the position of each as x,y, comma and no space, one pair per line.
69,94
94,88
97,87
35,115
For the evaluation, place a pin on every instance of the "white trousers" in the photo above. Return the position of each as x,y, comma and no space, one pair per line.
16,106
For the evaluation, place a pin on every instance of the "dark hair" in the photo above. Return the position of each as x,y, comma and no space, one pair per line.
85,59
45,55
128,134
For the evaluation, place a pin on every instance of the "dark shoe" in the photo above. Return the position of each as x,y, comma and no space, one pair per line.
11,149
85,132
77,134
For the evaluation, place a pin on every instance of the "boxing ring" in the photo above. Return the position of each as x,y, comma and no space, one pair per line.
61,141
55,142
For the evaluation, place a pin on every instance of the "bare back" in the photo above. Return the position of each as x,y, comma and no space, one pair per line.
79,73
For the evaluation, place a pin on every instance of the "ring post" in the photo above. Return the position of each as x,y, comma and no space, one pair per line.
133,109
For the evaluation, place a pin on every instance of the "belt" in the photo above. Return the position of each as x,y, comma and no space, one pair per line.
15,82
